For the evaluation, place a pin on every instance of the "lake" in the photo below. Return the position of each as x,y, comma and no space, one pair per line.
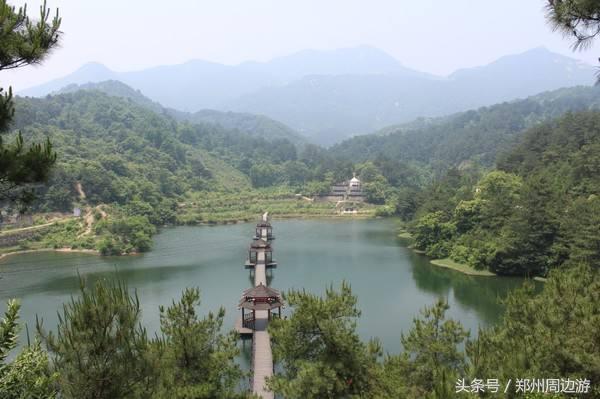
391,281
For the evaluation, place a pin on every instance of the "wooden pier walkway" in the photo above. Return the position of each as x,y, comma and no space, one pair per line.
262,357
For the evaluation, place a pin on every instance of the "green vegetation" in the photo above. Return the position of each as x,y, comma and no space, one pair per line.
99,338
23,42
319,349
475,136
212,208
257,126
322,356
29,374
555,341
100,350
460,267
119,152
138,164
579,19
195,359
115,234
125,235
253,125
538,211
144,166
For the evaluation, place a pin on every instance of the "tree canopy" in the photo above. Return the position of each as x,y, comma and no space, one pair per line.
23,42
319,349
578,19
534,213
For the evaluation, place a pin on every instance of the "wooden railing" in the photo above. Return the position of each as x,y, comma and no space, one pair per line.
248,321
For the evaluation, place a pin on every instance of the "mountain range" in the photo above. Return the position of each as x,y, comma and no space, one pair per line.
257,126
328,96
478,135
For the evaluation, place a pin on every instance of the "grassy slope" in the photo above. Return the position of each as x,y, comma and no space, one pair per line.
244,205
460,267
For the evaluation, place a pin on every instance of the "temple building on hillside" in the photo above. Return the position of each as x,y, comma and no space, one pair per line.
355,188
347,195
349,190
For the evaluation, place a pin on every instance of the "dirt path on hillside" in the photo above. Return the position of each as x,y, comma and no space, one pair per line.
89,219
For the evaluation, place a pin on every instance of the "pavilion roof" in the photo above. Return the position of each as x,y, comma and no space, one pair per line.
261,297
261,291
259,243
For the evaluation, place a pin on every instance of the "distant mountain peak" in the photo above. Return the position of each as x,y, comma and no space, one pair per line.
93,66
536,61
87,73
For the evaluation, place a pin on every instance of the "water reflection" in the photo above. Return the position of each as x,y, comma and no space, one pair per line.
480,293
392,282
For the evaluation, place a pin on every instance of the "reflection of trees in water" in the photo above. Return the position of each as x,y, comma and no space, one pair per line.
481,294
379,232
428,278
270,276
245,360
69,284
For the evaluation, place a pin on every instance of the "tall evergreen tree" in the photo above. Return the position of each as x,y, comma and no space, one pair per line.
579,19
23,42
28,375
100,348
319,350
529,234
196,359
549,334
432,355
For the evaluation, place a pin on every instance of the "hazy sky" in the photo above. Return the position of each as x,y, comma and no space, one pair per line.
436,36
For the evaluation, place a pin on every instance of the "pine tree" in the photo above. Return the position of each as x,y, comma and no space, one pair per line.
196,359
319,350
549,334
579,19
100,348
433,361
23,42
28,375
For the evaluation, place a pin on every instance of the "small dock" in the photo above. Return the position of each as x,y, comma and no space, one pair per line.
243,331
260,300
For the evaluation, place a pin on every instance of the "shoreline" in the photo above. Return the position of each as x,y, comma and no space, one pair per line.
204,224
447,263
289,216
64,250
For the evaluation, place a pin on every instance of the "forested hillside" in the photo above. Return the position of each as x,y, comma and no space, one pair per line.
476,135
253,125
539,210
146,168
119,151
126,140
122,152
121,158
250,124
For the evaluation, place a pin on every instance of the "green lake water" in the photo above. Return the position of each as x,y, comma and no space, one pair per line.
391,281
